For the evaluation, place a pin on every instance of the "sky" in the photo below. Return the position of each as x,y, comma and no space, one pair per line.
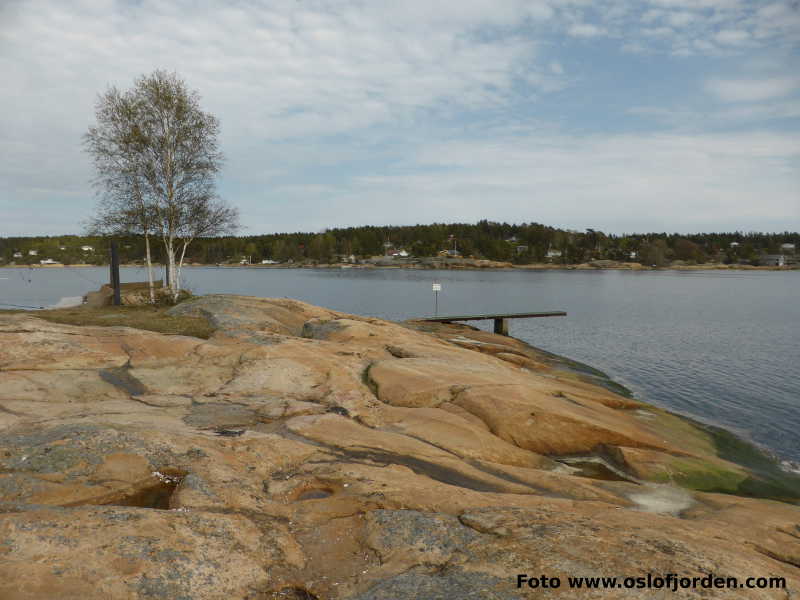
623,115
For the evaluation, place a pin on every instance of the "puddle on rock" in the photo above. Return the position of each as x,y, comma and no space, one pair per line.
315,494
295,593
157,495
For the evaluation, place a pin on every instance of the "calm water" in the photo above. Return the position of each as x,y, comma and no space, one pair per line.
723,347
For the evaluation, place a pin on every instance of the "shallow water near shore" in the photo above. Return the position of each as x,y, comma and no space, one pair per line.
721,347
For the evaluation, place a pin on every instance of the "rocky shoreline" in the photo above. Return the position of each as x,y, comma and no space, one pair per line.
305,453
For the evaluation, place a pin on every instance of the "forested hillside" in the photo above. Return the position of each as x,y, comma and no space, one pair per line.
523,243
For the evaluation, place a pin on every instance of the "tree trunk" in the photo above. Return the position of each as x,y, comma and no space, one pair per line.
180,265
173,283
149,269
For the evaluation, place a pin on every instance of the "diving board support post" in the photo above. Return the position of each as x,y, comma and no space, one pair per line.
501,326
500,319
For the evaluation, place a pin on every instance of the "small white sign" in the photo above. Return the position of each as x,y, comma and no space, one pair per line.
437,287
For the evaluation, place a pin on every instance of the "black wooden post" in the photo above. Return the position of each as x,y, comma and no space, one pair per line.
115,283
501,326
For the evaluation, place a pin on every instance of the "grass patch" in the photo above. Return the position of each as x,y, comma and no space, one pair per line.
149,318
702,475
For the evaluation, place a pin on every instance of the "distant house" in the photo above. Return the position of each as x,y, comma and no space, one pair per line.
512,239
17,254
269,261
87,248
734,244
633,254
403,254
772,260
62,247
553,253
33,253
522,249
787,248
48,261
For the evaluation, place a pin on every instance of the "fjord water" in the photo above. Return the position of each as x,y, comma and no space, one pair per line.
720,346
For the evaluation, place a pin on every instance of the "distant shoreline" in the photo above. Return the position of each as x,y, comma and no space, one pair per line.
471,266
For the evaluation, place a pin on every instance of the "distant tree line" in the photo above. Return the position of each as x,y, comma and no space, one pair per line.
521,244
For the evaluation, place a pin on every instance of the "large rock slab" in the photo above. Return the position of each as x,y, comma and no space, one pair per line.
304,453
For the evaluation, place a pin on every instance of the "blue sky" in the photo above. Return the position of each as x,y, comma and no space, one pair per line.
648,115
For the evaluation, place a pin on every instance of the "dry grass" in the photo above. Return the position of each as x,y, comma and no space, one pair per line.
150,318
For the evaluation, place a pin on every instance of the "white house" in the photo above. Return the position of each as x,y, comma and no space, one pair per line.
788,248
633,254
48,261
87,248
773,260
33,252
17,254
734,244
553,253
269,261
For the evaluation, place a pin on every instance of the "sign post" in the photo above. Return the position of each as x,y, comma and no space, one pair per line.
437,287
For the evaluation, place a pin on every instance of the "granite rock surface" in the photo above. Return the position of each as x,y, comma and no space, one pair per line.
304,453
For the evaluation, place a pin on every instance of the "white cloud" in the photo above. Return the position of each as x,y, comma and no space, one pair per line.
652,15
270,71
684,118
735,25
732,37
680,19
304,88
625,182
658,31
752,90
585,30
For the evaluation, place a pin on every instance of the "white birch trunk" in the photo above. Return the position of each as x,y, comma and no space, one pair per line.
180,266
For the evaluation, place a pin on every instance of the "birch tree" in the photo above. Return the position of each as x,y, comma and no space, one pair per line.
172,158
